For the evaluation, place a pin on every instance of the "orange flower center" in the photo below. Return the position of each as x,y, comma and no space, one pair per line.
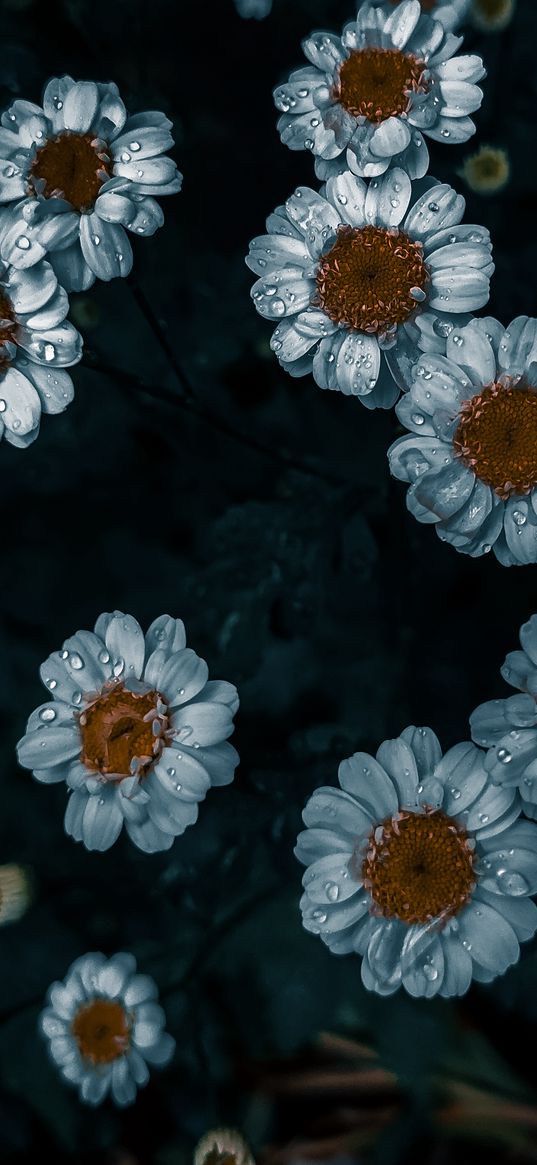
71,166
419,866
118,731
8,329
497,438
376,83
101,1029
366,279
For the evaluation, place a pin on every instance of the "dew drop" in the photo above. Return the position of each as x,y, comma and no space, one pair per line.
47,715
76,661
332,891
504,756
512,883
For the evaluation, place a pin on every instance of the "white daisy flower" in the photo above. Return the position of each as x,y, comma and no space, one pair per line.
37,343
135,729
508,728
367,97
104,1026
471,453
346,273
419,864
85,171
450,13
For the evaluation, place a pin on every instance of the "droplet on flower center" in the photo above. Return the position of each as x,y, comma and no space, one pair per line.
497,438
419,866
365,280
118,731
376,83
101,1029
72,166
8,329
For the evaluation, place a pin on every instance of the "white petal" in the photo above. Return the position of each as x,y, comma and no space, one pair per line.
105,247
363,777
388,198
103,819
490,939
125,641
182,677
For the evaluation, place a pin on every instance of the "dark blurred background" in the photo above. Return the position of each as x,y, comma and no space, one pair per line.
192,476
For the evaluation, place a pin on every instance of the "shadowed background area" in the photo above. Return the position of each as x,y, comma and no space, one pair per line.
192,476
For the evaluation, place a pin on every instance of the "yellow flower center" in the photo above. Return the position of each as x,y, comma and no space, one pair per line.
101,1029
8,328
419,866
71,167
376,83
117,730
497,438
365,280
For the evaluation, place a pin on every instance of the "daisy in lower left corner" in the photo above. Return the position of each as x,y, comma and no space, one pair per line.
104,1026
135,729
419,864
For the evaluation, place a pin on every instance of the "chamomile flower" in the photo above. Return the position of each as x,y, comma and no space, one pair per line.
419,865
37,344
508,728
135,729
104,1026
471,453
346,273
366,98
82,172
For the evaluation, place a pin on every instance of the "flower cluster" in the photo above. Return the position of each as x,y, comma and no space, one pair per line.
76,173
420,862
373,280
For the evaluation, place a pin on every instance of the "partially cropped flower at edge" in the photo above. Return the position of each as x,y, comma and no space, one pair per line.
367,97
37,344
16,891
450,13
471,454
347,272
508,727
136,730
80,171
419,864
222,1147
104,1026
491,15
487,171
